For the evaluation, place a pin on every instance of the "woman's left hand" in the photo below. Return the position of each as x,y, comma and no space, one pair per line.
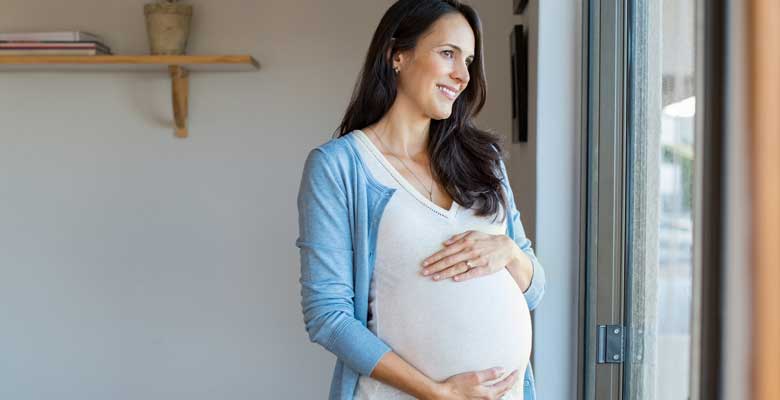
485,253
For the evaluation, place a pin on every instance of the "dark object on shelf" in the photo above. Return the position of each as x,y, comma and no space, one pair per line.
519,6
519,72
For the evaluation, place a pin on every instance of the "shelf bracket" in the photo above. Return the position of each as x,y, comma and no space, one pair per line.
180,89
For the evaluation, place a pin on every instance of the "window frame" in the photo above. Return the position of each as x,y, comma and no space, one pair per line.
603,198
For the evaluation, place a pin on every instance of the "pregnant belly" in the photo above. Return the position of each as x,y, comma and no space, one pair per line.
446,328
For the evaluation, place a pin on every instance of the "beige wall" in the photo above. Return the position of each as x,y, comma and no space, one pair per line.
137,265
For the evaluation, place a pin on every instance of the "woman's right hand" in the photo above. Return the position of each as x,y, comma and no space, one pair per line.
472,385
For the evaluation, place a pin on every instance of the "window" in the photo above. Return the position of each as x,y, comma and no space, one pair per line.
641,200
661,143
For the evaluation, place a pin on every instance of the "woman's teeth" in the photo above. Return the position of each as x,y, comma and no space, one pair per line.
449,93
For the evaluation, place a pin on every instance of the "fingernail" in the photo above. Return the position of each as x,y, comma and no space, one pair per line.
425,262
436,277
426,272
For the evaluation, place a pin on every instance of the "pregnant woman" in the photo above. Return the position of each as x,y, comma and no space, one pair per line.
415,269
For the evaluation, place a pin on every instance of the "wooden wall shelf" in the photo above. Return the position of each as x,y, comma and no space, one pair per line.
178,66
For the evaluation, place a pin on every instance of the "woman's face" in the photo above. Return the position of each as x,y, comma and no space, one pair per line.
435,72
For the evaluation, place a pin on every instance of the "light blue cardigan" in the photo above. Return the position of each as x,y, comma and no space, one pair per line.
339,208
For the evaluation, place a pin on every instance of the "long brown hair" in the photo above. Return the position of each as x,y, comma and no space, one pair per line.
464,158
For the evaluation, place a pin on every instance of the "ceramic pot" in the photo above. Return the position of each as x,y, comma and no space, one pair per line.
168,26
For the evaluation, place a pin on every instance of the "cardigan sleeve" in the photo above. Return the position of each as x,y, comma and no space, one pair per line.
327,284
535,291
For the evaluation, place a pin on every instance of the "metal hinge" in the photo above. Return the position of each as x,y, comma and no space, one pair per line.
610,344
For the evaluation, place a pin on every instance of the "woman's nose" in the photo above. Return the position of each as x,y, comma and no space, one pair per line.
461,73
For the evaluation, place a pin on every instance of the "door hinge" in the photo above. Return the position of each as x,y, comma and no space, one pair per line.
610,344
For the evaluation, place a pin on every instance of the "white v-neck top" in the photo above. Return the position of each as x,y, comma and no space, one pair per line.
442,328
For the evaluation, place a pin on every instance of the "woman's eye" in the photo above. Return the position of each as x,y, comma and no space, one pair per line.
451,54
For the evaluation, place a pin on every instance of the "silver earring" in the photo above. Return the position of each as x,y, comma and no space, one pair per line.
396,70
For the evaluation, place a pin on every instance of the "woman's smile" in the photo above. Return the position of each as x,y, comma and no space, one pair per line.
448,92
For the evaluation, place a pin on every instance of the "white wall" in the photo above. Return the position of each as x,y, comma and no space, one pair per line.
137,265
549,163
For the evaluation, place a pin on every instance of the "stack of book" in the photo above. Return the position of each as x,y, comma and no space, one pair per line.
52,44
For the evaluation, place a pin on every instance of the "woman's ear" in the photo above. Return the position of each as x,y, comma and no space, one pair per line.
389,56
395,58
397,62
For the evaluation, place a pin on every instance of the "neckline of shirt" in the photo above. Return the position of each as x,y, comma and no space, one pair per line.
408,187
